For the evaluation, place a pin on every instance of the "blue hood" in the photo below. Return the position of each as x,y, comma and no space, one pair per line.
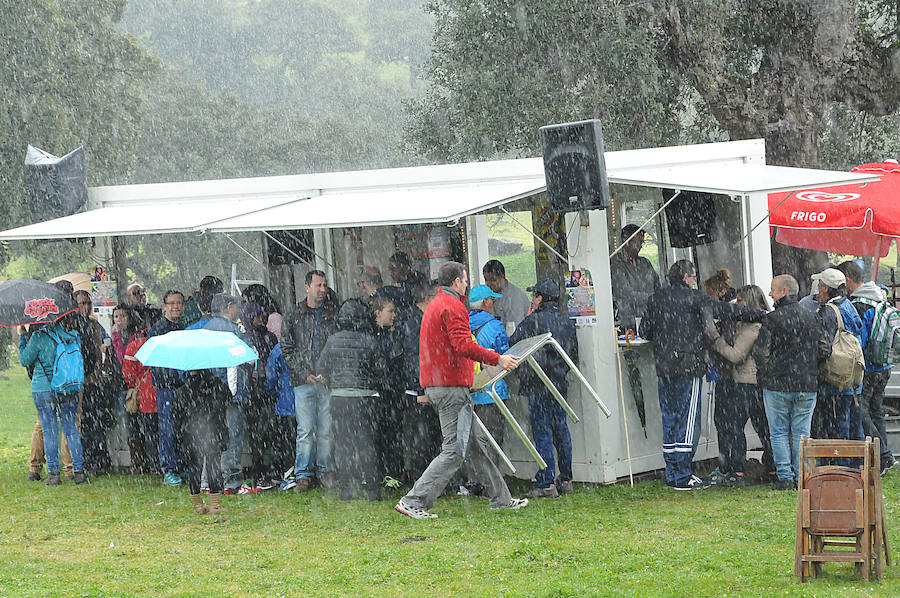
479,318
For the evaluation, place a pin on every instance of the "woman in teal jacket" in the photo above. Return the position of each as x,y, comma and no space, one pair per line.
40,352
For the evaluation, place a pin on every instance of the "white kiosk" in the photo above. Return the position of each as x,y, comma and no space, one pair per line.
372,213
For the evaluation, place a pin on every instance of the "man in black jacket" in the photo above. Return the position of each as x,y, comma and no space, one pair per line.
675,320
790,347
304,332
548,419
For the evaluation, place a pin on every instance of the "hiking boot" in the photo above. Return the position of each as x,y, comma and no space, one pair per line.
172,479
302,485
784,485
79,477
565,487
53,479
414,512
197,503
514,503
328,481
215,504
548,492
693,483
716,478
34,476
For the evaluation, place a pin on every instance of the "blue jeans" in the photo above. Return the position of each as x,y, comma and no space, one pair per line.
548,426
232,468
312,403
679,405
789,415
49,406
167,458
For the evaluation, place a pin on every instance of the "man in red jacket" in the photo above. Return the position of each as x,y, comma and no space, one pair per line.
446,369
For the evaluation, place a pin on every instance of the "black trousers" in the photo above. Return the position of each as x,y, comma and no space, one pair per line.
421,437
760,424
148,437
261,432
96,419
353,441
284,444
731,414
871,406
389,435
197,450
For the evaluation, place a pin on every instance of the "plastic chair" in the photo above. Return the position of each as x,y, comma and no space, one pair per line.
840,502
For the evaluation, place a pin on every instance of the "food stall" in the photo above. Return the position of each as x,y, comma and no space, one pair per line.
339,222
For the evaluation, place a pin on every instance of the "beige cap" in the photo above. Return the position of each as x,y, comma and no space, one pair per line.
831,277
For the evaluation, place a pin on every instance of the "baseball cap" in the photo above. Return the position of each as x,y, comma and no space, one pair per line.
831,277
547,287
480,292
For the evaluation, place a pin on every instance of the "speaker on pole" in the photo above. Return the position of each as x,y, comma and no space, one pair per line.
574,166
690,218
56,187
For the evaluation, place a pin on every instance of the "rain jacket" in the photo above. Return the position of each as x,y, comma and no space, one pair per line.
40,352
391,342
790,346
242,392
489,333
136,374
547,318
675,321
633,282
199,412
740,352
278,382
446,348
352,357
868,290
165,377
297,339
852,323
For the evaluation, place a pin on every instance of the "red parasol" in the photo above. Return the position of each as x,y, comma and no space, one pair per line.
848,219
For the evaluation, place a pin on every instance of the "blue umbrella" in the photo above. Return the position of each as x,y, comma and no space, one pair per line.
195,350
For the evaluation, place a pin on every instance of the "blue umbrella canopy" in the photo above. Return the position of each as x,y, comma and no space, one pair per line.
195,350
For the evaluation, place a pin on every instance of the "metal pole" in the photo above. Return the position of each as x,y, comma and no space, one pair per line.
755,226
546,380
517,429
580,376
624,417
493,443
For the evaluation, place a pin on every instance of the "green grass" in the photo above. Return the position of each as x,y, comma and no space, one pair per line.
130,536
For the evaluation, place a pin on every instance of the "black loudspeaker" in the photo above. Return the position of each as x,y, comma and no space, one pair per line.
691,218
56,187
574,166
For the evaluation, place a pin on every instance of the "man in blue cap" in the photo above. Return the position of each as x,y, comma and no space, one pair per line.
548,419
491,334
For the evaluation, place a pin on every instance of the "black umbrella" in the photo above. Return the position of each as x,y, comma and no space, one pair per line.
28,301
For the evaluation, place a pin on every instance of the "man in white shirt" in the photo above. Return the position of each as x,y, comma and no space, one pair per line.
512,307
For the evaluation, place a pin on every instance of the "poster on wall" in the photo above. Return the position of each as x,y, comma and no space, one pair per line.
580,299
103,291
438,249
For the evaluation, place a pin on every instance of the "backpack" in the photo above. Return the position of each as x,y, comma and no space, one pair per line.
68,367
846,366
883,344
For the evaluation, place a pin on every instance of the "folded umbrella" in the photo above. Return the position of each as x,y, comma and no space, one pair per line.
195,350
28,301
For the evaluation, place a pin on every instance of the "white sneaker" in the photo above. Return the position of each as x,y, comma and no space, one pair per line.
414,512
514,503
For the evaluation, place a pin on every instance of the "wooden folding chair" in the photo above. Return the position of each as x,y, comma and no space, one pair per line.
840,502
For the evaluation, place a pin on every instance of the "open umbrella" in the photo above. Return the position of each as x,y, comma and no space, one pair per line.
195,350
849,219
28,301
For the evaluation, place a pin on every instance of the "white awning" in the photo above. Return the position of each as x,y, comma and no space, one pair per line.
736,179
421,194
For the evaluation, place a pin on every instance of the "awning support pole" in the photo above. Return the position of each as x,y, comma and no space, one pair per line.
646,222
755,226
530,232
239,246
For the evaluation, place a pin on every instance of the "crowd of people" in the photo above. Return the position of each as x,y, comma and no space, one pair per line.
341,395
770,366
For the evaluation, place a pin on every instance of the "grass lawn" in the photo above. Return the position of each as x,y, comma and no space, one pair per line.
130,536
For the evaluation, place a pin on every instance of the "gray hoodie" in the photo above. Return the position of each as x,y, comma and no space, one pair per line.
868,290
